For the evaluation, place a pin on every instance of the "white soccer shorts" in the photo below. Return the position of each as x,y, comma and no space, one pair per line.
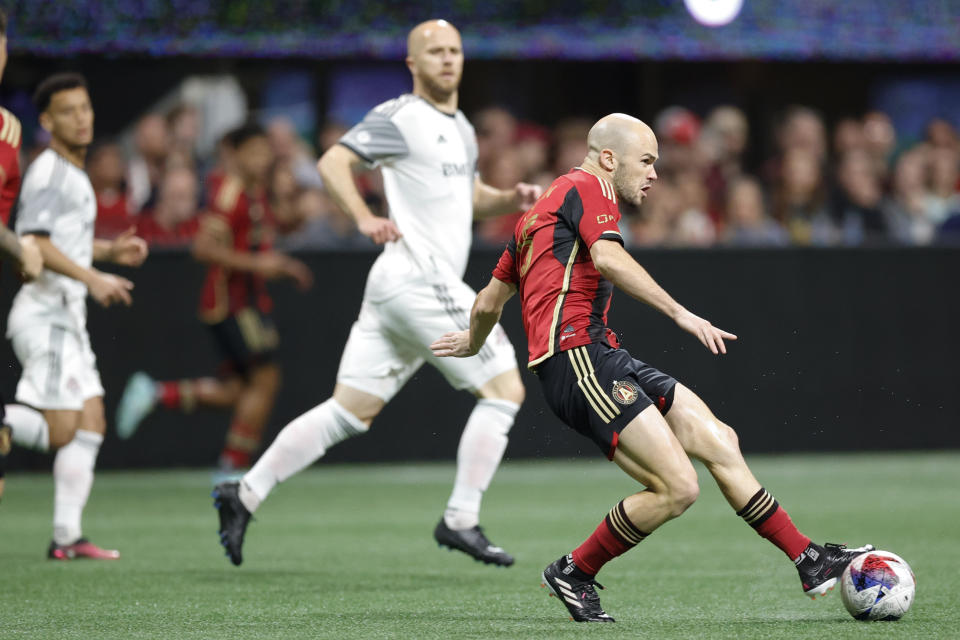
391,339
59,367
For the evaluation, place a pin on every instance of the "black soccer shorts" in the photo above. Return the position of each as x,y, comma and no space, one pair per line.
597,390
246,339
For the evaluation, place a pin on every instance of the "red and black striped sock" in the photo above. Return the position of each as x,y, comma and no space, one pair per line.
615,536
765,514
177,394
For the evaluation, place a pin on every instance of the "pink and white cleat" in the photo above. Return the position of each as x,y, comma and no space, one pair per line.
82,548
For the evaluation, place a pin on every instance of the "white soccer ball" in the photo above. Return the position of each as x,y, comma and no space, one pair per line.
877,585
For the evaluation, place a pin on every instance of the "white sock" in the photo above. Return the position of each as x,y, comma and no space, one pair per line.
72,480
481,448
296,447
28,427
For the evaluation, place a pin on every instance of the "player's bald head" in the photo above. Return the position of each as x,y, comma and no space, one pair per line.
623,150
422,34
618,132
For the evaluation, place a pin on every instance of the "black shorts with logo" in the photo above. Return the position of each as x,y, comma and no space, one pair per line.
247,339
597,390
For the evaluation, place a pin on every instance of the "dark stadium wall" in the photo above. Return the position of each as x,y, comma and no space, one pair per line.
838,350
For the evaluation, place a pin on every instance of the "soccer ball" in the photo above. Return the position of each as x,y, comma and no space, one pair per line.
877,585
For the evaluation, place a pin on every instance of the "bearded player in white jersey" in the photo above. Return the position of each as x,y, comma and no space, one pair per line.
427,150
60,395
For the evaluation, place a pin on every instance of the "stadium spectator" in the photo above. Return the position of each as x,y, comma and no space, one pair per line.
848,136
941,133
290,149
693,226
799,199
320,225
496,132
944,176
748,224
880,139
173,222
184,125
146,167
856,209
907,209
723,141
107,170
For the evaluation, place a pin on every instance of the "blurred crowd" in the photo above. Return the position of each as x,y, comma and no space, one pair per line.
854,185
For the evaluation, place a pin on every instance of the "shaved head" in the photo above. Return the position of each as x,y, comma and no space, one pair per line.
622,149
435,59
427,31
618,132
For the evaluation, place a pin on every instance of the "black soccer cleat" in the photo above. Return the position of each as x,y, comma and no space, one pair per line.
472,542
576,591
821,567
234,519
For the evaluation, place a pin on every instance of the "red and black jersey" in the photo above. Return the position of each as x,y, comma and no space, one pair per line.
564,298
10,135
243,221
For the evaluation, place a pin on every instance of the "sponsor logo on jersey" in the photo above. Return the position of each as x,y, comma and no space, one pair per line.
625,392
605,218
441,139
453,169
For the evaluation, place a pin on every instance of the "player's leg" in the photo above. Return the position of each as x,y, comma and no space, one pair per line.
142,394
709,440
650,454
252,410
421,315
73,479
370,361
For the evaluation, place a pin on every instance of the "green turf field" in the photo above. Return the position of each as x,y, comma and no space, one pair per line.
347,552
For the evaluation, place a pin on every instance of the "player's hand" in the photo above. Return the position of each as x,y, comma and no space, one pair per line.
108,289
299,273
380,230
129,249
527,194
712,337
455,344
31,260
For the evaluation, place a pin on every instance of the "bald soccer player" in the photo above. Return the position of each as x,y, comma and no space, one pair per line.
415,291
565,258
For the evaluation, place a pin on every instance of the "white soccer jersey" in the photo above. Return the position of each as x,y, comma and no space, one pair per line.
56,199
429,161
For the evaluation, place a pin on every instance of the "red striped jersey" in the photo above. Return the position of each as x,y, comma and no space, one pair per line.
244,222
10,131
564,298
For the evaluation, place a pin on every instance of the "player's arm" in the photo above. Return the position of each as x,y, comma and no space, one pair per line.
23,252
105,288
211,246
336,168
489,202
616,265
484,316
127,249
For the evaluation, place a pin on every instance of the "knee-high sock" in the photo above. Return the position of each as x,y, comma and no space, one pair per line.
72,480
770,520
29,429
481,448
297,446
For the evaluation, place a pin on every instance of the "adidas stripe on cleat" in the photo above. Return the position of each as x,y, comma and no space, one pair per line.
578,595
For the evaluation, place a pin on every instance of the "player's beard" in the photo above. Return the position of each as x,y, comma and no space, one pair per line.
436,91
625,190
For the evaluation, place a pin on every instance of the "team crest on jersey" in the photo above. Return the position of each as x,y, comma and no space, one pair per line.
625,392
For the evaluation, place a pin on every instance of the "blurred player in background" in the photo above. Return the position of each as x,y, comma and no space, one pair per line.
428,152
21,252
235,238
565,258
60,384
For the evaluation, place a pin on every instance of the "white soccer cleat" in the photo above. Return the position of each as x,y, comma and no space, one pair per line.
138,400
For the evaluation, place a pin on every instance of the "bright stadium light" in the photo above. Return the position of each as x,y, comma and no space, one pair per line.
714,13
